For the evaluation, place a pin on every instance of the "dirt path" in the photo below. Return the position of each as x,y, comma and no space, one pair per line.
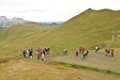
98,60
26,69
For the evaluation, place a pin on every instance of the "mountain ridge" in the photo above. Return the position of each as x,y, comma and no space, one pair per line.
5,22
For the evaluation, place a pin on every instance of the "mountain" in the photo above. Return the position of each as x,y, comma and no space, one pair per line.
88,29
4,22
52,23
92,28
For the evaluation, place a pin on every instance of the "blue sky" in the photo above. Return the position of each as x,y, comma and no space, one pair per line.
52,10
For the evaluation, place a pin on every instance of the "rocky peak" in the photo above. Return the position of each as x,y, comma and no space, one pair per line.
4,22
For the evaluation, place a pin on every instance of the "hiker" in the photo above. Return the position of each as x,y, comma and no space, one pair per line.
31,53
97,49
44,52
112,52
80,49
27,53
76,52
48,50
38,53
85,53
24,52
107,51
65,51
43,55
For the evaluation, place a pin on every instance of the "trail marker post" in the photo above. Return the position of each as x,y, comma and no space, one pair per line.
115,35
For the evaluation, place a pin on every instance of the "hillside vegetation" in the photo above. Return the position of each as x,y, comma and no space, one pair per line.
92,28
32,70
89,29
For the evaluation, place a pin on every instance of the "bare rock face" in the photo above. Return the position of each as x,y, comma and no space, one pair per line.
4,22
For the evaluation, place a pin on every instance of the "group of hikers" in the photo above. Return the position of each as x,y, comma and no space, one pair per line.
85,52
28,53
108,51
77,51
40,53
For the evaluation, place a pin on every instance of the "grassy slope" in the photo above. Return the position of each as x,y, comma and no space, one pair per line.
31,70
92,28
88,29
13,39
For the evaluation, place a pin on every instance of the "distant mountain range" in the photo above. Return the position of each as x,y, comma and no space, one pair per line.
50,23
5,22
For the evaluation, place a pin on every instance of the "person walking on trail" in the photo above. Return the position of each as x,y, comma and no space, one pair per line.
31,53
24,53
42,55
82,50
65,51
85,53
112,52
107,52
97,49
27,53
43,50
76,52
38,53
48,49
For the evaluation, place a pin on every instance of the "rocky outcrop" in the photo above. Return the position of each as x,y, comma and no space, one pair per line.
4,22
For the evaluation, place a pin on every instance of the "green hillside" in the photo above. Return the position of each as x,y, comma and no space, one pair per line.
14,39
88,29
92,27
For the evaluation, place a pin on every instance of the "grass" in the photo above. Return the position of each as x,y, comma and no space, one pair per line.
86,68
36,70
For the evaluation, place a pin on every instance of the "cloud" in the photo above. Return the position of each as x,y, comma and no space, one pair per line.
52,10
25,11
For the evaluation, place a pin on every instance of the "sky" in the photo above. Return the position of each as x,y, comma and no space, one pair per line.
52,10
